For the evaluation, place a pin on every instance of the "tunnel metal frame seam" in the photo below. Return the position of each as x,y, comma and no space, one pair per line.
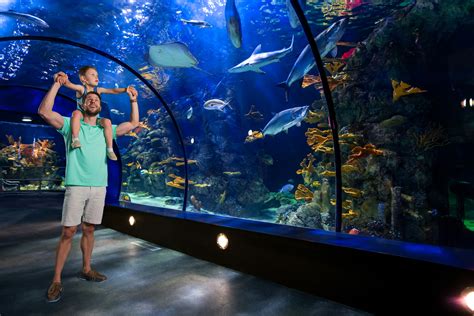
130,69
331,110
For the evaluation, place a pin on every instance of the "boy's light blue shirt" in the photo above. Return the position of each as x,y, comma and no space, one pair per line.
87,165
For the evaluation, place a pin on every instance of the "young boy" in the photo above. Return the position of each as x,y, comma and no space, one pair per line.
89,79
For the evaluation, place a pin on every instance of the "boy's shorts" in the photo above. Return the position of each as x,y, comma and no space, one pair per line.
83,204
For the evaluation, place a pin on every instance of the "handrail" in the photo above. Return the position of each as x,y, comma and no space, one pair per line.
331,109
136,74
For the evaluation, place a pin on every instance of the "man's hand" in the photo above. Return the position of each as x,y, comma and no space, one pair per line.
61,78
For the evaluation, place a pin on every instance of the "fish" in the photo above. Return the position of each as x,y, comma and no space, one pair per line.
25,17
232,173
354,231
349,53
326,42
259,59
172,55
253,136
234,27
287,188
216,104
116,112
189,113
401,89
254,114
283,120
201,24
195,203
294,21
202,185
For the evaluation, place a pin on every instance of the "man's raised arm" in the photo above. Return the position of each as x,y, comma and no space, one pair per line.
126,127
45,109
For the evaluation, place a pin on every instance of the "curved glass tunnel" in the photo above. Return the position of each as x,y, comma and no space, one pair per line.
404,109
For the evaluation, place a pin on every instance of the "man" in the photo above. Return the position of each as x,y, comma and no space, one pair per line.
86,178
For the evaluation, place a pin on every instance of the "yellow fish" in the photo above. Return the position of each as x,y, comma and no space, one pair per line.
222,197
190,162
401,89
353,192
349,168
132,134
202,185
328,173
334,66
130,164
351,213
316,184
174,185
253,137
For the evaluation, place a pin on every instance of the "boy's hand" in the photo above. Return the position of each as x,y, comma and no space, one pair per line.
132,93
61,78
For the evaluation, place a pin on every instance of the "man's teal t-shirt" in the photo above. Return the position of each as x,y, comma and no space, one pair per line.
87,165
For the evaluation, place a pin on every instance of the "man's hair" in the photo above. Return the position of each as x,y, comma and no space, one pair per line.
83,70
91,92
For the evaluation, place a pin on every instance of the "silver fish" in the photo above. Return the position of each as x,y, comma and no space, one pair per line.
116,112
174,54
216,104
201,24
234,27
326,42
259,59
283,120
25,17
189,113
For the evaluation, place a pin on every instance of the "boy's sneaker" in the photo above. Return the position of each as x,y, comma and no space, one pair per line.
54,292
93,276
75,143
111,155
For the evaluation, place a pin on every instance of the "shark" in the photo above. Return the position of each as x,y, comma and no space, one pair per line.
326,42
285,119
25,17
259,59
233,24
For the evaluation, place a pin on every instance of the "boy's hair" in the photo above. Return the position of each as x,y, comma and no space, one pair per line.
83,70
91,92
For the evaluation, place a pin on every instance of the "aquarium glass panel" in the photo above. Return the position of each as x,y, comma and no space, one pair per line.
240,80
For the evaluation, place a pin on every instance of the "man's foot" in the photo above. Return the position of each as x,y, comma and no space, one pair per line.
54,292
75,143
93,276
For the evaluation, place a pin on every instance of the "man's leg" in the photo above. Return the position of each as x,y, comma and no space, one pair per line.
87,244
62,251
92,216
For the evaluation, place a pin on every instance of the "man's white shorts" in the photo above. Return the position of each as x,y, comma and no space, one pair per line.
84,204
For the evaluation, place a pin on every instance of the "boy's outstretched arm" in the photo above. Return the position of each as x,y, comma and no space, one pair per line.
45,109
111,90
68,84
126,127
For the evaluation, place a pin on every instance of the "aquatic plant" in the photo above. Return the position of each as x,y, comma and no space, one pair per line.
433,136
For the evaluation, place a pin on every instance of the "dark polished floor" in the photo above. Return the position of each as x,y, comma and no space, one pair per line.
144,279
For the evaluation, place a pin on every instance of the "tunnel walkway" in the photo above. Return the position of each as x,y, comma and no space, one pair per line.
144,278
